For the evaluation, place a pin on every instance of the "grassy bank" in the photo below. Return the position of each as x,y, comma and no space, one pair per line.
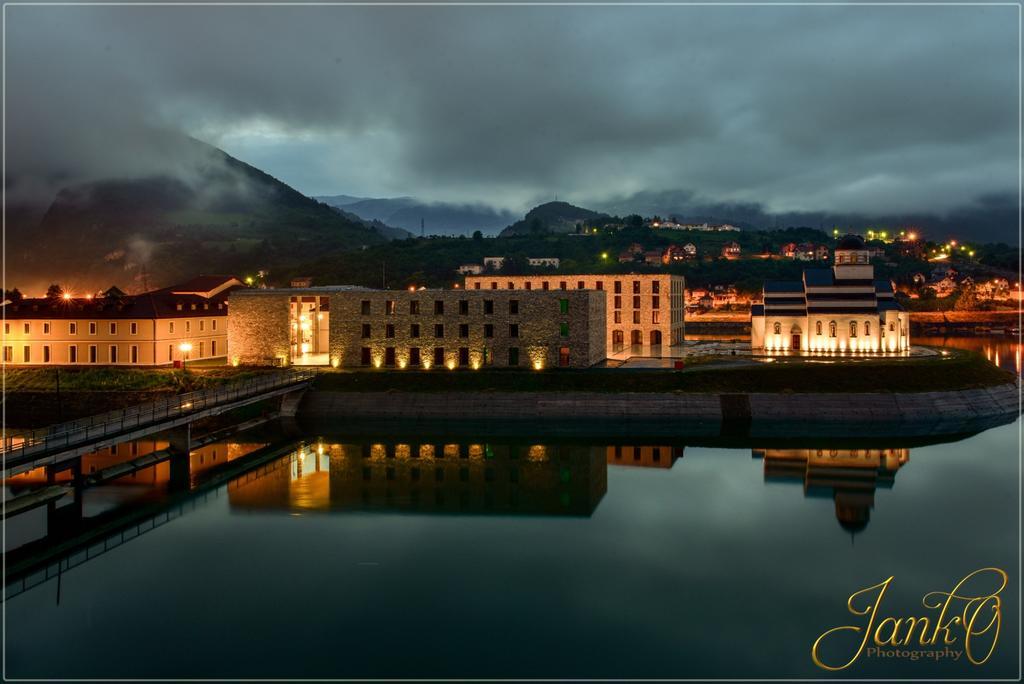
962,371
120,379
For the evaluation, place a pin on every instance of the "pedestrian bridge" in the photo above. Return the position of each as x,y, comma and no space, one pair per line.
55,444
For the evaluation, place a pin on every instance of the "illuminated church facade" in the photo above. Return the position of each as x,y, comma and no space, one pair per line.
838,310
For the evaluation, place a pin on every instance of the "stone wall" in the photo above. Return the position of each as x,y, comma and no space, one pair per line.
258,327
402,321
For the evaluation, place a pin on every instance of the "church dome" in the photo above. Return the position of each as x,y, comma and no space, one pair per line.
851,242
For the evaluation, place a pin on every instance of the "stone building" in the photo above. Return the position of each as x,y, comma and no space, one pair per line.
842,309
356,327
643,312
181,322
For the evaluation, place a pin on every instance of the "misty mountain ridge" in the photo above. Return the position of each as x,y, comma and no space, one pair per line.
215,214
438,218
553,217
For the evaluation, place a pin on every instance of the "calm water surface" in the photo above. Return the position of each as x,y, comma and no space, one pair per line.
384,556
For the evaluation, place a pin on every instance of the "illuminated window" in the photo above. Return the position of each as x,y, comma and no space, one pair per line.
867,329
853,328
817,328
777,328
892,326
832,329
389,307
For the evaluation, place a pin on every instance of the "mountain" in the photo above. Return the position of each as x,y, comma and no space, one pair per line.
553,217
383,229
442,218
213,214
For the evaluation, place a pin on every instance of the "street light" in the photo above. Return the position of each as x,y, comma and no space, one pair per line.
184,348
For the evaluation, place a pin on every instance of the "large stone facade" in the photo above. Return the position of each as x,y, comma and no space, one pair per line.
643,311
426,328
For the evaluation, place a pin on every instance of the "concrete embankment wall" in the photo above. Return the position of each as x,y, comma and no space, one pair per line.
918,413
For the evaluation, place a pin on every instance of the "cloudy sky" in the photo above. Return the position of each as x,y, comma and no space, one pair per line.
802,108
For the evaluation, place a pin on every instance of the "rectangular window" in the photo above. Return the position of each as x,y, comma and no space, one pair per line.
46,353
488,330
636,302
463,307
600,284
488,306
26,353
463,329
72,328
202,324
563,330
170,352
563,357
170,327
476,286
113,353
511,285
439,330
188,326
513,356
618,287
27,328
364,307
513,306
73,353
389,356
438,356
92,353
213,347
7,328
636,317
414,330
562,285
389,331
202,352
366,331
580,285
655,317
389,307
414,307
655,302
414,356
133,328
463,356
656,286
513,330
438,307
134,353
494,285
544,285
92,327
364,356
529,285
636,287
563,306
113,328
618,317
8,354
618,301
213,324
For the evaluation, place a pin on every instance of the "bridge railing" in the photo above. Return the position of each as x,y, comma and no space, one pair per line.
64,435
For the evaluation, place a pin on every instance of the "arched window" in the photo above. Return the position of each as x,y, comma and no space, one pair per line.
777,328
853,328
832,329
817,328
867,328
892,326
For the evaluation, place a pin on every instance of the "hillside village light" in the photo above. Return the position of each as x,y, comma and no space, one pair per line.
66,296
604,255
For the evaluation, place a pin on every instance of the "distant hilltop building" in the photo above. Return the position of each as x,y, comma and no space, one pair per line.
842,309
543,262
706,227
470,269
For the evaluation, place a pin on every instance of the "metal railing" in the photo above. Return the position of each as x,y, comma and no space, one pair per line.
76,432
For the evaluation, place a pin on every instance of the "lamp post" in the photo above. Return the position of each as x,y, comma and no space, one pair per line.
184,348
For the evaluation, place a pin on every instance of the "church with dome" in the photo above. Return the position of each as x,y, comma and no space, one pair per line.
832,311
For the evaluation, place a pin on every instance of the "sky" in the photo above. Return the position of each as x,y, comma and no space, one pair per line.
851,108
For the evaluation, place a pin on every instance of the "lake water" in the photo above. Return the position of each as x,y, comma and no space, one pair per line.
361,555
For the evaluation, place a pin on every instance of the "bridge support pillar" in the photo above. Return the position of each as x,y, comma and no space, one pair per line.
290,403
180,446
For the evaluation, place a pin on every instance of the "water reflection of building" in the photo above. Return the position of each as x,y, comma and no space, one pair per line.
435,478
849,476
643,456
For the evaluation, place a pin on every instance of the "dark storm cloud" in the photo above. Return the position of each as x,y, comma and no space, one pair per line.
802,108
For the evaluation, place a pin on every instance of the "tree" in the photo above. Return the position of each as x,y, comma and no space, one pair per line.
13,295
477,235
55,291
